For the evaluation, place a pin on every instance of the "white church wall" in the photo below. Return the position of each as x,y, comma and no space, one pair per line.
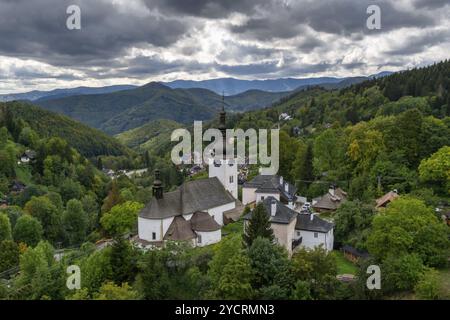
208,238
223,173
146,228
217,212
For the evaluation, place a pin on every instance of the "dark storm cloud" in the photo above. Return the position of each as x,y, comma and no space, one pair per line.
430,3
211,9
309,43
419,43
38,30
271,38
340,17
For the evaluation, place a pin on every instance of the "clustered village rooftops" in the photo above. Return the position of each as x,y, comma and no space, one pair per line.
273,184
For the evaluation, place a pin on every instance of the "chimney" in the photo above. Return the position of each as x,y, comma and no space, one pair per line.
286,187
157,186
281,180
332,190
273,208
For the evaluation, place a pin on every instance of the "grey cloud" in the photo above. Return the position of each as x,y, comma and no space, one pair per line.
419,43
430,3
234,50
39,31
340,17
211,9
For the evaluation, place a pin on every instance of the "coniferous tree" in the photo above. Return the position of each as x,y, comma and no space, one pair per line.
99,163
258,226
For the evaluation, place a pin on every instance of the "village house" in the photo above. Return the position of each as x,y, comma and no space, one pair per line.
294,230
284,117
17,187
196,210
330,201
264,186
27,157
383,201
313,231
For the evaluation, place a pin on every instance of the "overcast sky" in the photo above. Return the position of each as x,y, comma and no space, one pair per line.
137,41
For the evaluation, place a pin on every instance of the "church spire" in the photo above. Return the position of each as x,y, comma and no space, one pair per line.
157,186
222,125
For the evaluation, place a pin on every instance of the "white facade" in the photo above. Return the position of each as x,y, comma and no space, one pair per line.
312,239
226,171
153,229
207,238
217,212
248,195
261,196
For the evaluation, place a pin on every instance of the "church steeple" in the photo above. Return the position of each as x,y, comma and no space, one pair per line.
157,186
224,169
223,126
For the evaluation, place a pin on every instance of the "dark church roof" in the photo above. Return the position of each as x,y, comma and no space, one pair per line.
192,196
203,222
271,184
283,215
179,230
317,224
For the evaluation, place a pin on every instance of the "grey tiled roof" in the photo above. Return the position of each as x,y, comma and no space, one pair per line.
192,196
203,222
180,230
271,184
317,224
330,202
283,214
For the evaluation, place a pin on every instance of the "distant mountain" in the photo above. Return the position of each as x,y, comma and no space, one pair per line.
232,86
60,93
123,110
88,141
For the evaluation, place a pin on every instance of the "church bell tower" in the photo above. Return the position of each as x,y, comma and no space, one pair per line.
226,168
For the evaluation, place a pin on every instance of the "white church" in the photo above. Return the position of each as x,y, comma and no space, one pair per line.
195,211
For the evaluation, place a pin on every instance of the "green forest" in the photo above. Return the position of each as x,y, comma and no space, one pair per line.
370,138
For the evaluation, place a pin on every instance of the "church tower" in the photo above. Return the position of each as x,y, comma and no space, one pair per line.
225,169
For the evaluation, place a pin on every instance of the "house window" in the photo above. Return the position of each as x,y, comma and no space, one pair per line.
199,238
298,233
154,235
262,198
231,179
316,235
